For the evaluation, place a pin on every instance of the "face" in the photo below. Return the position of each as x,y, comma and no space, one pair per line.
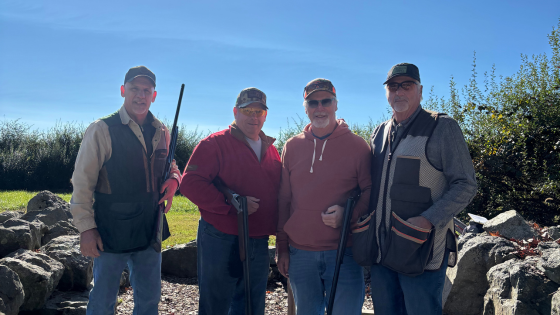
401,100
250,125
322,117
138,95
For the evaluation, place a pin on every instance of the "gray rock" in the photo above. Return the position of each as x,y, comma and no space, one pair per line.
180,260
554,232
510,224
517,287
60,229
16,234
11,291
448,283
66,303
4,216
47,208
477,256
78,270
549,263
39,274
465,238
555,307
548,245
46,199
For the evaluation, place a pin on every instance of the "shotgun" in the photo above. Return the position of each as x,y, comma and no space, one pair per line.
342,245
240,204
162,229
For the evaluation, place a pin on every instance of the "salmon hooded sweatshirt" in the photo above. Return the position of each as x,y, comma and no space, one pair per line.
317,174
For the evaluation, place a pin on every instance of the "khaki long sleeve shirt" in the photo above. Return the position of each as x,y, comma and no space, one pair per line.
94,151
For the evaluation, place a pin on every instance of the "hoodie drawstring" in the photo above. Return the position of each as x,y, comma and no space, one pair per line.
322,150
313,160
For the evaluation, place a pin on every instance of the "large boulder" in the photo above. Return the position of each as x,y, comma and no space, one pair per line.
39,274
46,199
180,260
549,263
477,256
60,229
16,234
66,303
510,224
4,216
555,307
518,288
11,291
78,270
554,232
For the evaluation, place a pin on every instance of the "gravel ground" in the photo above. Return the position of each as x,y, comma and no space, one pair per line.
180,296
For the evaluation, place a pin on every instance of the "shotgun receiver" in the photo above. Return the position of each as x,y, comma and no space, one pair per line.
162,229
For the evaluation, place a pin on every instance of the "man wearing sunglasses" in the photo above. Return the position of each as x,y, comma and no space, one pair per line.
422,176
321,168
247,162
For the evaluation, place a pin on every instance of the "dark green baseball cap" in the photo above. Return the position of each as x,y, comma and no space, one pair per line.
406,69
249,96
140,71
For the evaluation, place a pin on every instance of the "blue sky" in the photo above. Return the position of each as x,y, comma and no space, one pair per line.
65,60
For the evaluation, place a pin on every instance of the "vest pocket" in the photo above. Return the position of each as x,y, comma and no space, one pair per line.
364,242
408,247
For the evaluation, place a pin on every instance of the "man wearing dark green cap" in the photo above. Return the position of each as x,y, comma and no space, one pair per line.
117,181
247,162
422,176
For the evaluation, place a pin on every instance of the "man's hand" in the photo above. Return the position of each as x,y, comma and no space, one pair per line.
283,264
169,187
252,205
90,241
420,222
333,216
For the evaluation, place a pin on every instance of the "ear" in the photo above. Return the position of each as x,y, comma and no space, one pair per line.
154,96
122,90
235,111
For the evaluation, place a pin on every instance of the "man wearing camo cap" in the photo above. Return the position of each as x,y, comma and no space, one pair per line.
321,168
247,162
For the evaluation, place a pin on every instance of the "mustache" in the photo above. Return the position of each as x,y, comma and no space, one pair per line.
400,98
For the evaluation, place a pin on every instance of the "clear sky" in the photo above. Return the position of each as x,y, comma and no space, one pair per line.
66,60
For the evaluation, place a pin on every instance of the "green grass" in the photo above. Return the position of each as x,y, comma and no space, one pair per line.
182,218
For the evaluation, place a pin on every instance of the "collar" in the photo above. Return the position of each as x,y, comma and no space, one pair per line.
239,135
126,119
405,122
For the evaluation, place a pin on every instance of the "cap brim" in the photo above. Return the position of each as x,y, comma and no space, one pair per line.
320,91
252,102
143,75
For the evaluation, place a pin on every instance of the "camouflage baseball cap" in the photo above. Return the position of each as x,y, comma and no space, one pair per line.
249,96
140,71
404,68
318,84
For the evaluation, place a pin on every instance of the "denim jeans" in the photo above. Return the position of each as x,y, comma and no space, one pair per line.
396,294
220,272
145,278
311,274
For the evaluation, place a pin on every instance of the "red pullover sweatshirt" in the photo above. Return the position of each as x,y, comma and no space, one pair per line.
227,155
317,174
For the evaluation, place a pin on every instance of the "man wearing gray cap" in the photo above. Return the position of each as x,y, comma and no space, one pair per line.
246,161
422,176
117,181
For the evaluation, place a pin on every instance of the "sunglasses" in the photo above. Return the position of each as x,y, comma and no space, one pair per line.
315,103
247,111
406,85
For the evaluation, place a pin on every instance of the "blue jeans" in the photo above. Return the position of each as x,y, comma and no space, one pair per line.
396,294
311,274
220,272
145,278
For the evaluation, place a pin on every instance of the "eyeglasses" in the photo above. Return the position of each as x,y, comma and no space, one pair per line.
248,111
406,85
315,103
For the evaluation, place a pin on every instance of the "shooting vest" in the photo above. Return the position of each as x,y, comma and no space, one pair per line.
407,186
127,191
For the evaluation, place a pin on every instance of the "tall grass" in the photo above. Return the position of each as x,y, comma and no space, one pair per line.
36,160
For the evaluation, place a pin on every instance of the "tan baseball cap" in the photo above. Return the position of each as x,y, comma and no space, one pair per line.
249,96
